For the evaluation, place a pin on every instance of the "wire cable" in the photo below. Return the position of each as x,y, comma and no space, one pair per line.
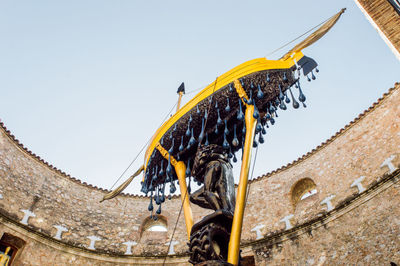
141,150
295,39
176,224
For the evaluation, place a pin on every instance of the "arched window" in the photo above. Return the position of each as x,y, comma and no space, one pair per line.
302,189
151,225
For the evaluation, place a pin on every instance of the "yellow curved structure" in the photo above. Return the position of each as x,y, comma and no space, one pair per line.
238,72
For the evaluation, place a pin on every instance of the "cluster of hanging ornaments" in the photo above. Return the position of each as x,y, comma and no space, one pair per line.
281,101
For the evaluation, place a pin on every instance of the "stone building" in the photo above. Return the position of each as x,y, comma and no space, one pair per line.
336,204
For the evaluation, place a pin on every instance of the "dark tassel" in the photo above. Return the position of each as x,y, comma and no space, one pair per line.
284,76
268,78
172,188
227,108
312,75
161,173
198,110
225,144
258,127
190,119
201,136
207,143
240,115
230,87
171,150
150,208
256,114
295,103
287,100
235,141
219,120
281,96
260,94
261,139
226,131
188,172
255,144
188,130
181,146
234,158
192,140
159,210
282,105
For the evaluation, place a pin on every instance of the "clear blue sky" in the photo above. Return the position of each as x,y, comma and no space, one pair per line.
84,84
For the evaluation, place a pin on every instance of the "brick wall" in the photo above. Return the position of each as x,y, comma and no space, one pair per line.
352,161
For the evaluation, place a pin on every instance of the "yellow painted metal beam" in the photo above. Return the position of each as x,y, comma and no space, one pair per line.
236,231
242,70
180,169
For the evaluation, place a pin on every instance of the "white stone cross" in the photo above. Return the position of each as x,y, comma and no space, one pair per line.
171,250
27,215
129,245
286,220
93,239
60,230
388,162
328,202
258,231
357,183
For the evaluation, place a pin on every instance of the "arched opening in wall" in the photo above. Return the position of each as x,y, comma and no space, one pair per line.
151,225
154,231
303,189
9,247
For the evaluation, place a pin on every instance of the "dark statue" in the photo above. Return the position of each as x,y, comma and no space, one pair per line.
212,167
209,238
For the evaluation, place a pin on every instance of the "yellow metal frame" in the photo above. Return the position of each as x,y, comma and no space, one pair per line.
233,75
244,69
236,231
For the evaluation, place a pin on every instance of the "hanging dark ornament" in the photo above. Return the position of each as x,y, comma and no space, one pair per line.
260,94
240,115
235,141
295,103
226,131
227,108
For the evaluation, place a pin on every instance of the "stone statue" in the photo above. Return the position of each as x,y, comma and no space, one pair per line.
212,168
5,258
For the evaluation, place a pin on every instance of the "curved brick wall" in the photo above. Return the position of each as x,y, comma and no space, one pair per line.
357,188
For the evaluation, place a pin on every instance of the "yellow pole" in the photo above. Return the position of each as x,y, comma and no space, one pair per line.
234,241
179,101
180,169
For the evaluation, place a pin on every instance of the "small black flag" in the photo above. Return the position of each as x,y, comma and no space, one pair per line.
181,88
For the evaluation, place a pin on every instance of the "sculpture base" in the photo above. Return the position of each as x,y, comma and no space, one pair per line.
209,239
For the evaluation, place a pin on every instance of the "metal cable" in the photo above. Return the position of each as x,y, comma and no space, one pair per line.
299,36
144,146
173,232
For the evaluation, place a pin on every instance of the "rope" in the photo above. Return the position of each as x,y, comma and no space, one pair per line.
180,211
295,39
173,232
252,172
144,146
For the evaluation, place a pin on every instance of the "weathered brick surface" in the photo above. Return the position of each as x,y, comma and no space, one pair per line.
359,150
386,18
